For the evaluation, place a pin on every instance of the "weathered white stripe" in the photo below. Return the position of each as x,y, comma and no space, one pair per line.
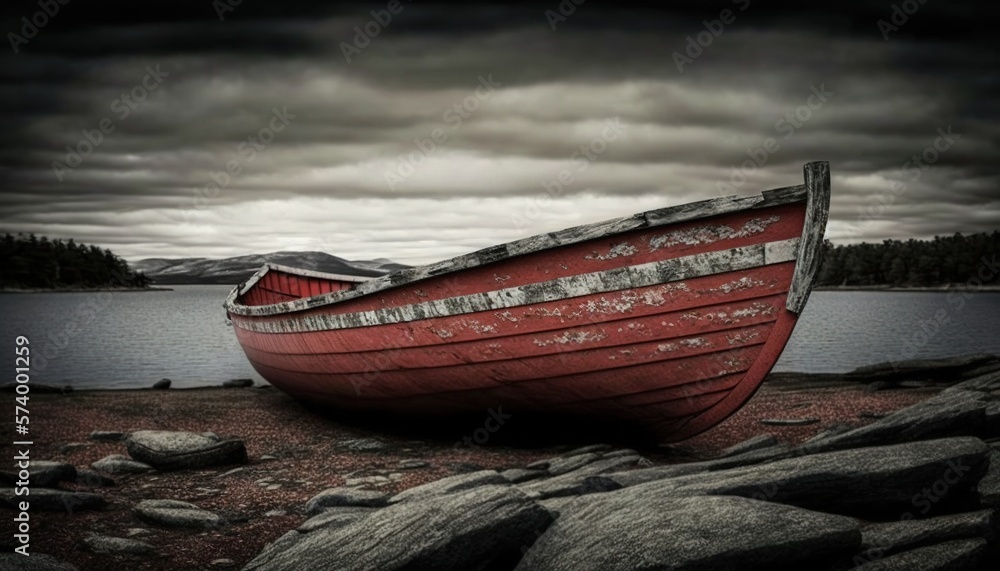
575,235
642,275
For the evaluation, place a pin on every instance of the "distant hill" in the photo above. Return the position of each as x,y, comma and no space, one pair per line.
167,271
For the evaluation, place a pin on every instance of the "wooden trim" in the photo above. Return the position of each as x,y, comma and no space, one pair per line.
321,275
652,218
641,275
817,178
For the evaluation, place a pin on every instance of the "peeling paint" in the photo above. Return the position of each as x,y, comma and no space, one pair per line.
746,282
478,327
710,234
623,249
695,342
501,279
742,337
578,337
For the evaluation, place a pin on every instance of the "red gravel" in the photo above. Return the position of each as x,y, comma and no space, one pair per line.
309,459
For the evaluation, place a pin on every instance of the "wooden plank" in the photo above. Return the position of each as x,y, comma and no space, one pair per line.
670,215
817,176
676,269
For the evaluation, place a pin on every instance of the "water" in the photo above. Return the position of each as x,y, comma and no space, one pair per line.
132,339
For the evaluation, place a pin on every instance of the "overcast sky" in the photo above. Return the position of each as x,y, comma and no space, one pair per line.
334,162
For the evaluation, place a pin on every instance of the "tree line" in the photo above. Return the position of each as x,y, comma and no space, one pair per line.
31,262
940,261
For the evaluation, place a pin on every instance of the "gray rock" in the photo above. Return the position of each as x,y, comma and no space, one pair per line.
751,458
364,445
788,421
881,539
592,449
343,497
641,529
118,464
173,513
238,383
578,482
960,555
109,544
51,500
865,482
222,563
71,447
451,485
167,450
539,465
465,530
162,384
965,409
989,486
565,464
518,475
557,504
34,562
335,517
756,443
412,464
92,479
619,453
273,550
107,436
42,474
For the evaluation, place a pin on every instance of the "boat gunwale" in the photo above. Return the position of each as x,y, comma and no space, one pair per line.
815,191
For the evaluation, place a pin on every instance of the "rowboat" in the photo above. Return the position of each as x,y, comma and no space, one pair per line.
669,318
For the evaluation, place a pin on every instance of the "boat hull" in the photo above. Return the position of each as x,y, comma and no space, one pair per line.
670,326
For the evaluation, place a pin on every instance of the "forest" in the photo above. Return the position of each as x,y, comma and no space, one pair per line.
942,260
30,262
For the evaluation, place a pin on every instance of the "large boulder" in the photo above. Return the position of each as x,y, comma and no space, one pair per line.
913,478
169,450
970,408
345,497
881,539
989,486
959,555
335,517
577,482
451,485
487,525
638,528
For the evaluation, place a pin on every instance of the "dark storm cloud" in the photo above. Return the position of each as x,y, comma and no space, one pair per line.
156,185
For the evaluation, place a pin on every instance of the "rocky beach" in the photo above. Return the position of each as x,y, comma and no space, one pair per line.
894,466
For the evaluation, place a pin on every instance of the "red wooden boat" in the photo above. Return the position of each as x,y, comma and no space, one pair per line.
670,318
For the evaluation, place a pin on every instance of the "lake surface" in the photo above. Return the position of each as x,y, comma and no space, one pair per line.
132,339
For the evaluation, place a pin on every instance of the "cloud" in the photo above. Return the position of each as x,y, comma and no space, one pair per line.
199,168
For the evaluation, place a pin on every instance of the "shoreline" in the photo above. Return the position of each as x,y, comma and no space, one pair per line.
84,290
939,289
294,454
